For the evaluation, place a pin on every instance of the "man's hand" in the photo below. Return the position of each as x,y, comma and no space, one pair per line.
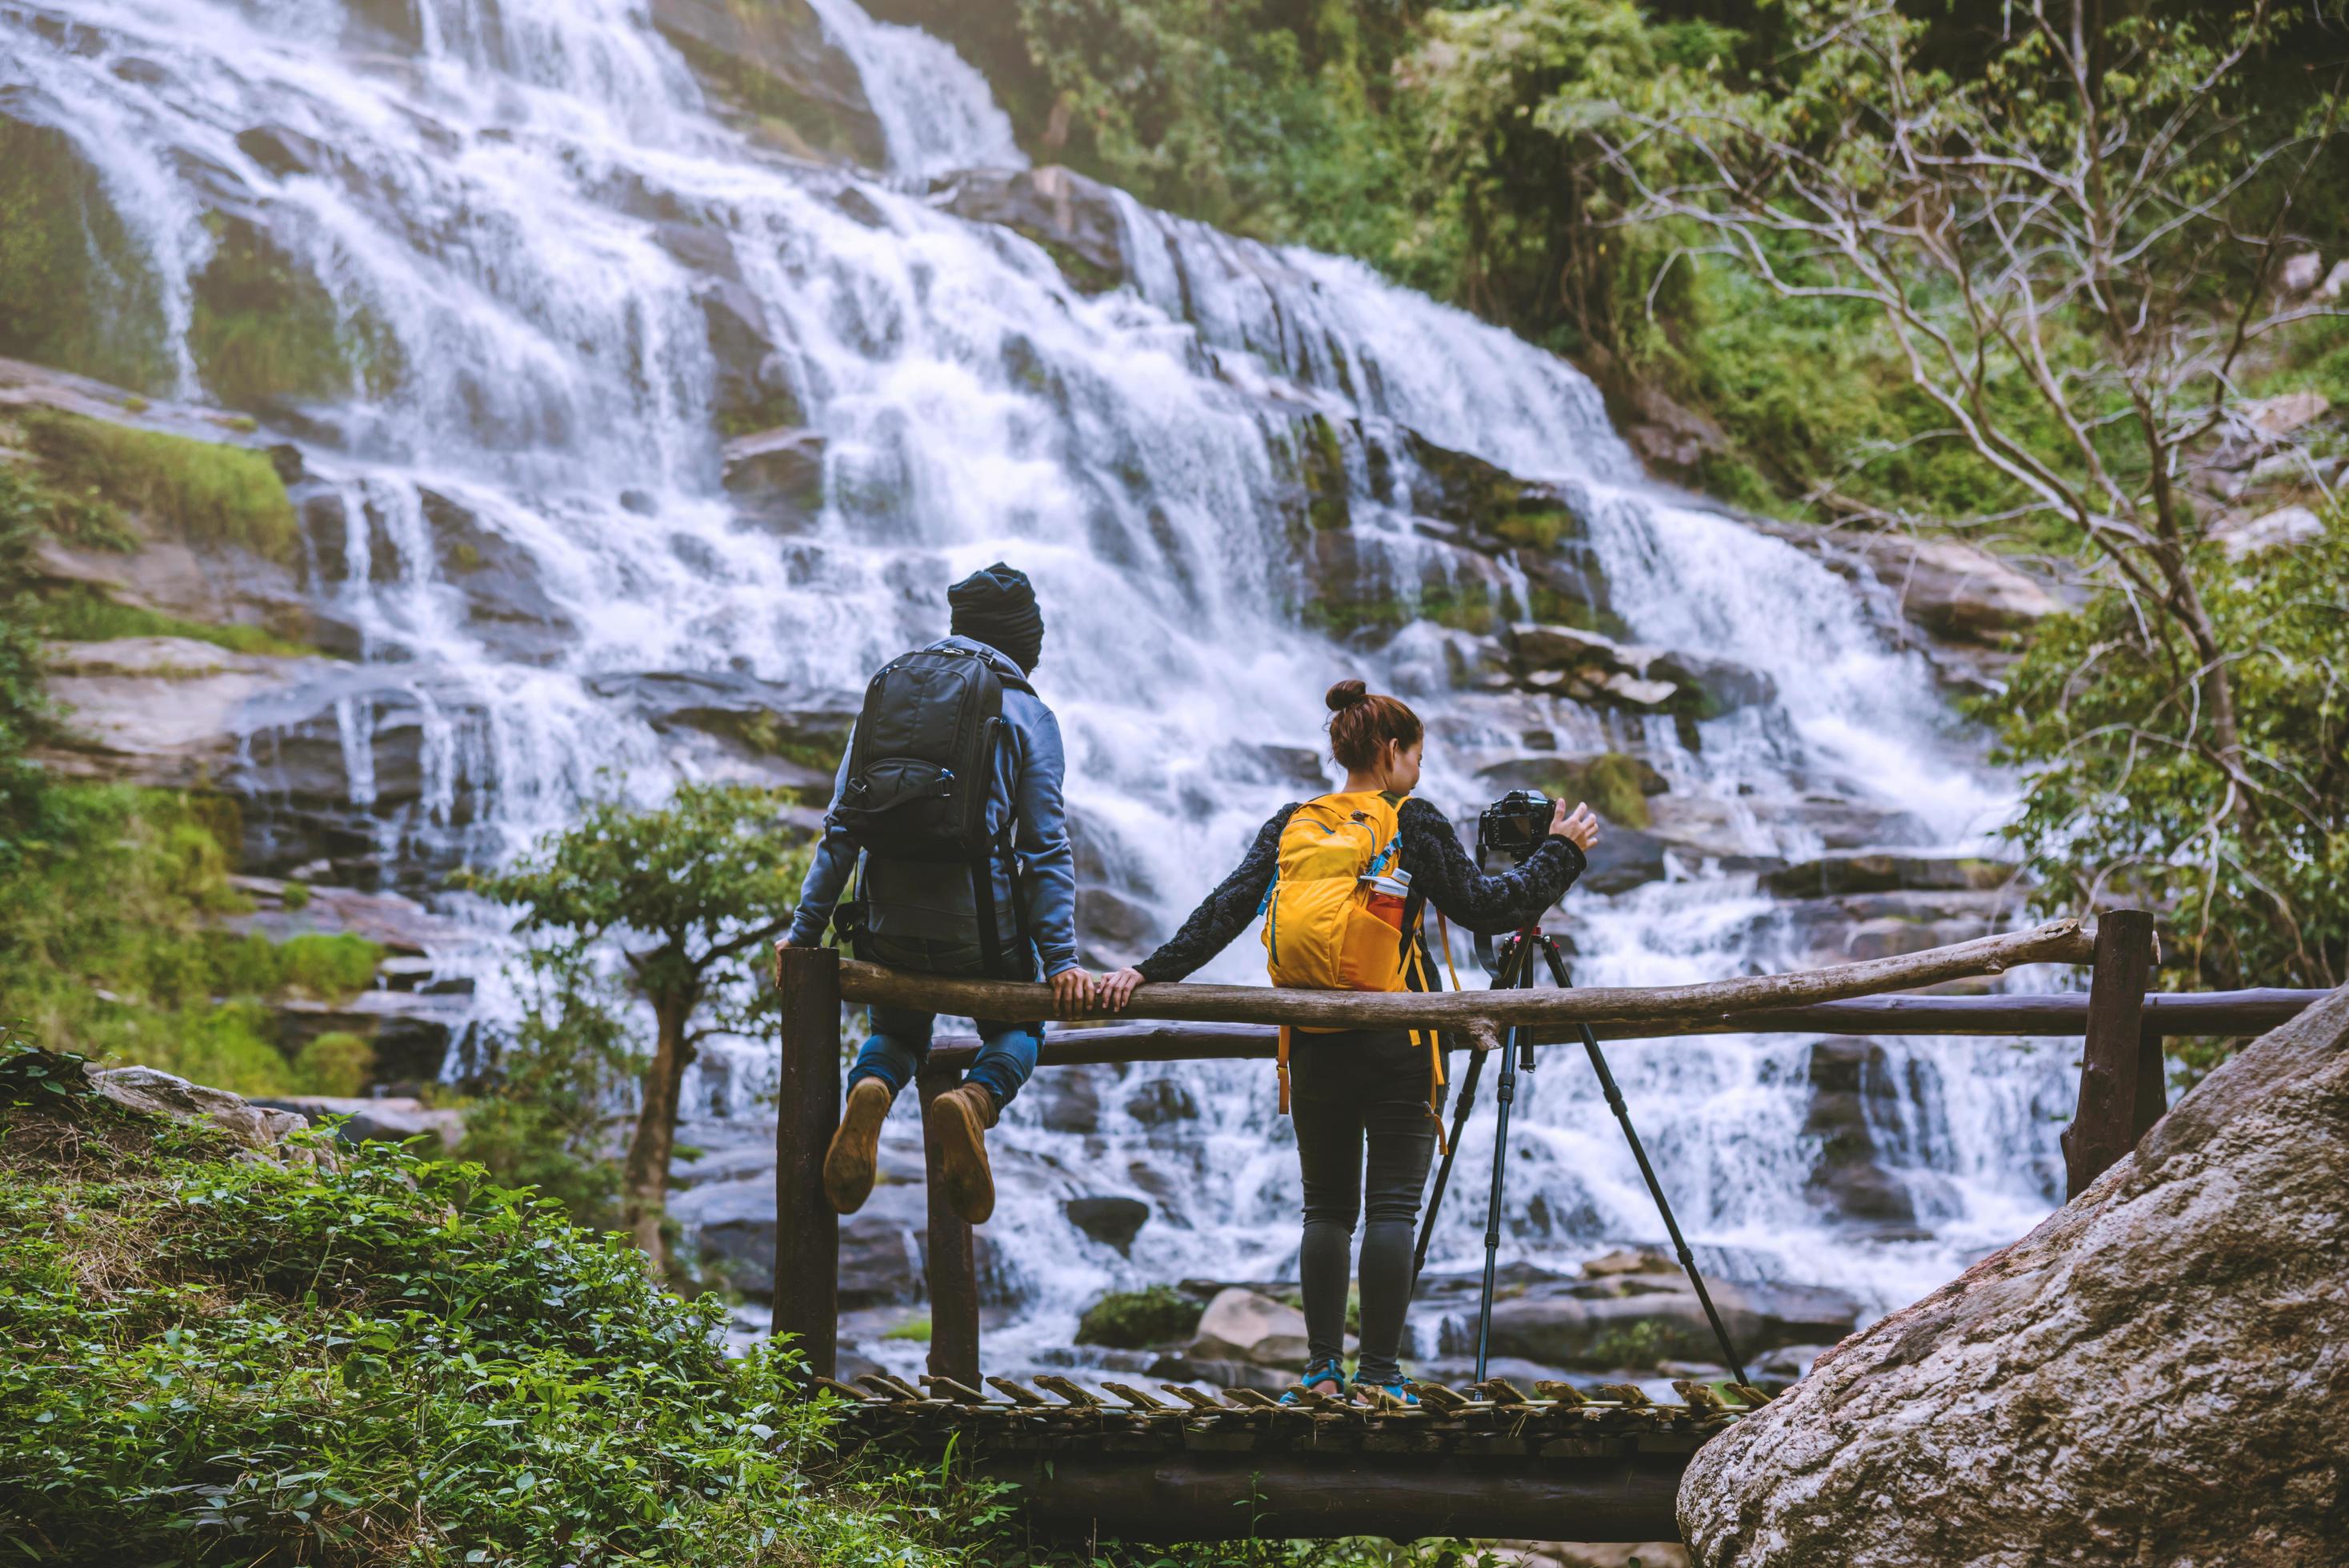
1073,988
1579,827
1114,990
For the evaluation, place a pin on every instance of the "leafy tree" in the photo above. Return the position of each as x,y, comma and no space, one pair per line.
2122,798
680,894
2073,252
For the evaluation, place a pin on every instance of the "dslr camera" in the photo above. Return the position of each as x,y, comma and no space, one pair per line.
1514,825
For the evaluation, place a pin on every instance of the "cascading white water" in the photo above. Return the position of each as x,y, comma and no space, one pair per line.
510,211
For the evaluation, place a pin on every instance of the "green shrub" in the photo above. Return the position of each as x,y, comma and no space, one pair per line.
336,1064
1137,1319
202,492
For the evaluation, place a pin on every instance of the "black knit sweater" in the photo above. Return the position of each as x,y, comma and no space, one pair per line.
1440,870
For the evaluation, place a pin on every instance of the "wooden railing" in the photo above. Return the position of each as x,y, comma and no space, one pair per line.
2122,1093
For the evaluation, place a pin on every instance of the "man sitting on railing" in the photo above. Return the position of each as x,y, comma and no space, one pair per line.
948,808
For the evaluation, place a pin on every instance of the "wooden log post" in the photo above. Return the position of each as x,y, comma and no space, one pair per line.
807,1109
950,1258
2104,1124
2152,1078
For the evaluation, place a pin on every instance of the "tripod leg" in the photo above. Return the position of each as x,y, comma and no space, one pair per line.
1647,1172
1511,955
1505,1093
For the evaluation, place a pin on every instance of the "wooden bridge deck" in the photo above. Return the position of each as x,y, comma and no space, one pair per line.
1180,1464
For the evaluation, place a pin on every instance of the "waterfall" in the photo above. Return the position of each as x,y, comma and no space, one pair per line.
548,476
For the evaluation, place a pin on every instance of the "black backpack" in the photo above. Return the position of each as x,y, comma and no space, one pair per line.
921,767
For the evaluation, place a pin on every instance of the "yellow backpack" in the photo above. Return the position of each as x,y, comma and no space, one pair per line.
1320,932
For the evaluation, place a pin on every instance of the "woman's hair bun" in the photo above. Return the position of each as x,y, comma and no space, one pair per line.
1345,694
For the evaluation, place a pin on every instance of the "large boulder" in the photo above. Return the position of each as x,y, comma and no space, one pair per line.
2153,1375
1955,590
1647,1314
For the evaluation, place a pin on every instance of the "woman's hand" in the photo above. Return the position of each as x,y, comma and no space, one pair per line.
1579,827
1113,991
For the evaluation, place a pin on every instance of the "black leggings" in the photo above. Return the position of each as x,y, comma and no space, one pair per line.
1348,1090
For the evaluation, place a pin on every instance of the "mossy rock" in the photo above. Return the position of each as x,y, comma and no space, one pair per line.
1615,786
264,331
204,492
1137,1319
74,290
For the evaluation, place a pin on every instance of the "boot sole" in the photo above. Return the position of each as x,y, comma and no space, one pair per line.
962,1158
854,1156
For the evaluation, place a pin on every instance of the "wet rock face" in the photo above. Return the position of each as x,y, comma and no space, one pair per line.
2152,1376
775,64
1075,219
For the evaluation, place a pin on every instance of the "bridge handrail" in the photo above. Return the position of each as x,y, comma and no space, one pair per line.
2064,940
2168,1014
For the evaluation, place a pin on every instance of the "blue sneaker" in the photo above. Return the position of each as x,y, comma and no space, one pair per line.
1330,1370
1397,1389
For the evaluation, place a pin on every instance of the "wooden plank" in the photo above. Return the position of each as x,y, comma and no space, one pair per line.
2103,1128
1019,1394
1193,1397
891,1388
1053,1383
1138,1398
2057,941
959,1392
949,1259
1192,1495
807,1109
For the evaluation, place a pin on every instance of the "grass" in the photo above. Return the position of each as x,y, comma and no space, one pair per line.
81,614
202,491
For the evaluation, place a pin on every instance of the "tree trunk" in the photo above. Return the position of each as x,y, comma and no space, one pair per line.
645,1190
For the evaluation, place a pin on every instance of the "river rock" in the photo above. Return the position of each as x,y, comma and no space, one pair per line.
2283,529
393,1118
1955,590
1637,1320
150,1092
2153,1374
1242,1326
1881,872
1073,218
776,477
1108,1219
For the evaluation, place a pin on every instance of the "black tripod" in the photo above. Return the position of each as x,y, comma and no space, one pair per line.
1515,971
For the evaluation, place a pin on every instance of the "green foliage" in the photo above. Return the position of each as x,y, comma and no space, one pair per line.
546,1117
200,490
1138,1319
109,943
392,1362
25,714
914,1329
336,1063
2121,807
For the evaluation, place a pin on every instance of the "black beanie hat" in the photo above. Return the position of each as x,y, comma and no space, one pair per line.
997,606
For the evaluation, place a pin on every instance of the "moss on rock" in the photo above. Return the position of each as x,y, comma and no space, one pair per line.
204,492
1137,1319
75,292
265,331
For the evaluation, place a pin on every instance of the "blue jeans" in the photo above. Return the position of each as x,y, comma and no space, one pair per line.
900,1043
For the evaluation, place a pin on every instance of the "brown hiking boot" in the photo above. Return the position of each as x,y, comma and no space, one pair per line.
849,1163
964,1115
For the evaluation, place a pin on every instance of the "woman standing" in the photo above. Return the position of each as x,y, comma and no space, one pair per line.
1352,1089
